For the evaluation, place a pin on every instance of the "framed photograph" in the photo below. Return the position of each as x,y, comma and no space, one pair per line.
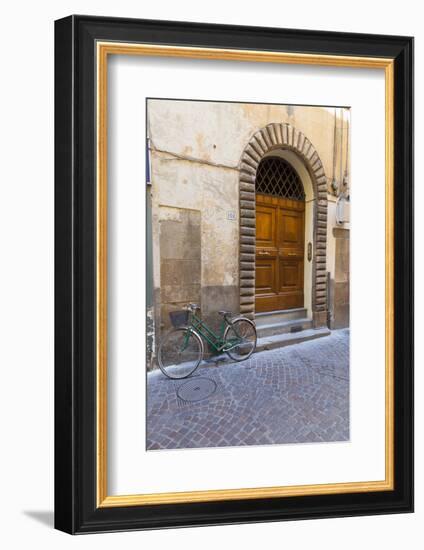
234,274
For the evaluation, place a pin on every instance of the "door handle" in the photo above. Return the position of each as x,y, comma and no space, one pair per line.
263,253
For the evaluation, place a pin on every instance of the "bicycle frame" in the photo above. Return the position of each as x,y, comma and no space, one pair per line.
223,341
215,340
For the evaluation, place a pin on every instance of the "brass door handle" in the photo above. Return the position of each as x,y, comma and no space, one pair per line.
263,253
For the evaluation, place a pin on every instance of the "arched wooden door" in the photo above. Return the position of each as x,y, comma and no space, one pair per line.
280,236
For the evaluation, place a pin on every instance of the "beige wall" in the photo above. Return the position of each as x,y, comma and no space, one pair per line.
195,153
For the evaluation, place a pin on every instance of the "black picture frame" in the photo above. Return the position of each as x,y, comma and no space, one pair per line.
76,509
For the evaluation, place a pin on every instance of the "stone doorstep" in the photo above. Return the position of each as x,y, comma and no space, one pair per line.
288,339
272,317
283,327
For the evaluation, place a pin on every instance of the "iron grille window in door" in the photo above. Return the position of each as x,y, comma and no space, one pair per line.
277,177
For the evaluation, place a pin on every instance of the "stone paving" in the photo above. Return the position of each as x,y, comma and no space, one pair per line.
296,394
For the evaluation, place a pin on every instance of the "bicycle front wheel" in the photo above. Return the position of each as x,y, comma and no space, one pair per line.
180,353
240,339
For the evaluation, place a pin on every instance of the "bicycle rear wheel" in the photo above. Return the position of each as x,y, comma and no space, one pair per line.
240,338
180,353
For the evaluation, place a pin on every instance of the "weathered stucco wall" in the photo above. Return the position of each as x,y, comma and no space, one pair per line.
180,186
195,150
340,310
180,259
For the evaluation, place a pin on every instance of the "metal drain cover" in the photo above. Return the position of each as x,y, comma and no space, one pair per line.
196,389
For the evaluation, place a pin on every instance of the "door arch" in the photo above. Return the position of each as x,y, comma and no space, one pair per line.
276,136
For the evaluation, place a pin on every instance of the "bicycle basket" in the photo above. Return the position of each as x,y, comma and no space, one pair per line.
179,318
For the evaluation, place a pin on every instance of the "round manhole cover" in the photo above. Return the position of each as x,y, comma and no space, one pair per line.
196,389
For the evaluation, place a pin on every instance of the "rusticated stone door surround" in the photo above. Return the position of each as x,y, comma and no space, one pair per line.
271,137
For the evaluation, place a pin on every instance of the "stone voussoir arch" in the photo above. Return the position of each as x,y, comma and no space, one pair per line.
281,136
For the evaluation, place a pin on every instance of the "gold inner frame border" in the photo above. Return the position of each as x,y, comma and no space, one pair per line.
103,50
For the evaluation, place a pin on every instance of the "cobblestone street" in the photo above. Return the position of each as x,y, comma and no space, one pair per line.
296,394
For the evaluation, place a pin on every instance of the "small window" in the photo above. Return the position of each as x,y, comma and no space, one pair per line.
277,177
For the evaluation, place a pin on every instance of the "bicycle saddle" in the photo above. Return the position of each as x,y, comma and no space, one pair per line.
224,312
193,306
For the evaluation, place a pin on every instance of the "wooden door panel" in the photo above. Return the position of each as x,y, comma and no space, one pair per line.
269,303
266,256
265,276
291,228
279,253
266,234
289,300
290,275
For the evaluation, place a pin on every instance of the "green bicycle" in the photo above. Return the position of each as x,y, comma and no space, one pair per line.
182,350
